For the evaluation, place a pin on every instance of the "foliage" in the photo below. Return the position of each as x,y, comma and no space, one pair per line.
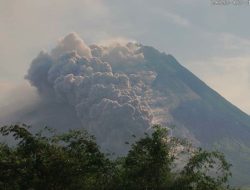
73,160
69,161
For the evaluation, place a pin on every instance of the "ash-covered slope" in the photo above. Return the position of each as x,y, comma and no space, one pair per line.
202,110
119,90
201,113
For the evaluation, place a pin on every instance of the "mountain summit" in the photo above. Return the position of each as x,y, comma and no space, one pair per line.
117,91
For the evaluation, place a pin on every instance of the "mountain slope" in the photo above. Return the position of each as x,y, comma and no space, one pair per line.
203,113
118,90
212,120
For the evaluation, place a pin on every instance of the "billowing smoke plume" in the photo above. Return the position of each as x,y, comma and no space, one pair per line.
111,104
119,90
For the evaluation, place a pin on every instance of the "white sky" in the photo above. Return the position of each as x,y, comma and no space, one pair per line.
212,41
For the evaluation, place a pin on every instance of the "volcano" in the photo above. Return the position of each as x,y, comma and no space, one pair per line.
121,90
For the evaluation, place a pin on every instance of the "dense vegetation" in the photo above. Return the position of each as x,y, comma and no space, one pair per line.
46,160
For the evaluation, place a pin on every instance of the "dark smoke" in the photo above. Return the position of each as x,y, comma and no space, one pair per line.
109,103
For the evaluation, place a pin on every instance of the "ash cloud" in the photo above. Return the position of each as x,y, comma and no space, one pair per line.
108,100
72,42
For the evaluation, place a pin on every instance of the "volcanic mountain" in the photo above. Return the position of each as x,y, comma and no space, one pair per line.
119,90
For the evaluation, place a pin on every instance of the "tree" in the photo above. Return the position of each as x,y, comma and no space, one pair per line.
68,161
204,171
73,160
150,164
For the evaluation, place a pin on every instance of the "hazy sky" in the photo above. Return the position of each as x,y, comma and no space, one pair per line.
212,41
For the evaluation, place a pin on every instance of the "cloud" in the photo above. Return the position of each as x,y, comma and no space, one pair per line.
89,79
114,41
72,42
170,16
15,97
176,19
27,29
233,42
119,55
172,26
5,86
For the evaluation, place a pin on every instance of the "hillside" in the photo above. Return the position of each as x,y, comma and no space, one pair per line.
120,90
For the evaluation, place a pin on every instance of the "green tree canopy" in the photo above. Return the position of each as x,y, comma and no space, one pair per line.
73,160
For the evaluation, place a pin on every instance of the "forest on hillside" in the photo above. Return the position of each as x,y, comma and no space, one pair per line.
73,160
